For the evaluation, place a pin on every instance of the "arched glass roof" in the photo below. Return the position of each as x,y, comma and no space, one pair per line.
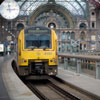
75,7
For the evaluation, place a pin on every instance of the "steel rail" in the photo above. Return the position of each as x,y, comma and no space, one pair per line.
36,91
85,94
64,92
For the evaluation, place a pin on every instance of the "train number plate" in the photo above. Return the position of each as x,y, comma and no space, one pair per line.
38,61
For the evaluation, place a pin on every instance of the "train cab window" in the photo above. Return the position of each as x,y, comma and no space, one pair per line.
37,41
37,37
44,40
31,41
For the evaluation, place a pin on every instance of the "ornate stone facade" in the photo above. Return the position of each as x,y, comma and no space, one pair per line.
73,34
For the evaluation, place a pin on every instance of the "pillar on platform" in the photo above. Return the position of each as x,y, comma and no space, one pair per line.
98,70
78,66
65,63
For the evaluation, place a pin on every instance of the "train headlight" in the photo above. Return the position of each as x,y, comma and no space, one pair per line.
23,61
51,73
53,60
55,70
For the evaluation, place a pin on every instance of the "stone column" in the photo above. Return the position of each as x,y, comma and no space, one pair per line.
78,66
98,70
65,63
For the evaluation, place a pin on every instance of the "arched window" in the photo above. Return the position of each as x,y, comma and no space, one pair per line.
52,25
82,26
73,35
20,26
92,13
68,47
63,35
63,47
82,35
68,35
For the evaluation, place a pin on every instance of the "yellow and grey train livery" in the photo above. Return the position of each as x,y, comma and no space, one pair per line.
37,51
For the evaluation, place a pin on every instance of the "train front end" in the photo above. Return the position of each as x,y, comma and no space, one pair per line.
37,52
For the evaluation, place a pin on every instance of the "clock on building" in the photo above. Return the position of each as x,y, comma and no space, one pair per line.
9,9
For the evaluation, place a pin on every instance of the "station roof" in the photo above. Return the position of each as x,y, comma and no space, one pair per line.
96,2
75,7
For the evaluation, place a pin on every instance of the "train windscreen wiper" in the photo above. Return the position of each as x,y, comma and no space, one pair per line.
32,47
43,47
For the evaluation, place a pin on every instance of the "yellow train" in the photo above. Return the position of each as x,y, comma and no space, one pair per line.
37,52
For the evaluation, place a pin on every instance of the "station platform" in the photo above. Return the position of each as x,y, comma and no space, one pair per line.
14,86
3,92
18,91
81,81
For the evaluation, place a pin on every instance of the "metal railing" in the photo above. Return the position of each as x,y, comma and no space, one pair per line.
86,64
86,52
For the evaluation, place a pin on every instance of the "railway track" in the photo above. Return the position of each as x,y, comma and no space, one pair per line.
49,91
84,95
56,89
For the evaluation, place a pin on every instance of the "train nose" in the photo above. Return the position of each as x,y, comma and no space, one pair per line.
38,53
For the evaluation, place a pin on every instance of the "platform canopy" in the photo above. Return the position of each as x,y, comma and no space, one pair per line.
75,7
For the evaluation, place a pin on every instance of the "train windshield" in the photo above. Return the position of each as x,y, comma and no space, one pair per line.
35,40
